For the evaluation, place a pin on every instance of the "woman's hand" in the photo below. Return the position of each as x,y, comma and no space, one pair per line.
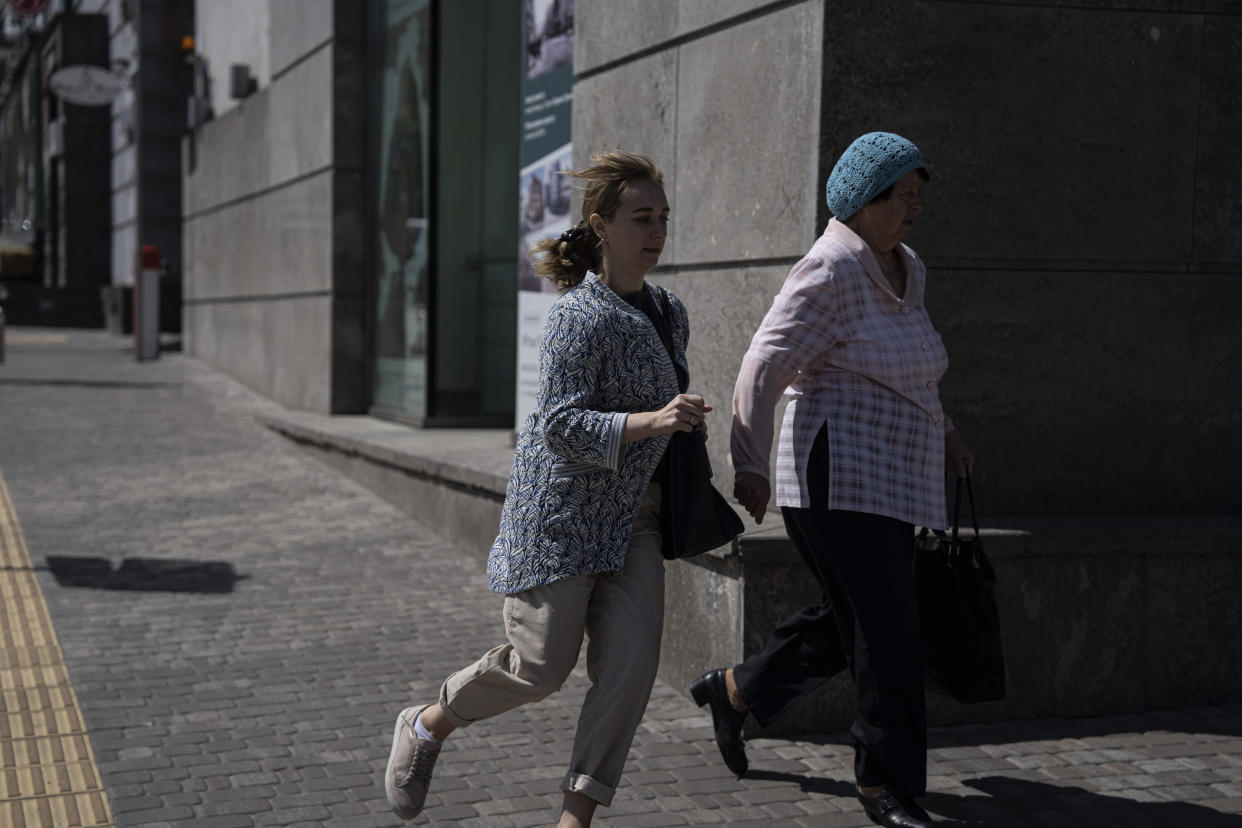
685,412
958,457
753,492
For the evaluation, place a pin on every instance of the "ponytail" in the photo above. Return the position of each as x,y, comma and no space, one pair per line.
565,260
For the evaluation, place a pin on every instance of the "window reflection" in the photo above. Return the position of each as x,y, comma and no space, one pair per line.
401,117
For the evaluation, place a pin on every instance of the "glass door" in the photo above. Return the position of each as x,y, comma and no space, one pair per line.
400,136
444,131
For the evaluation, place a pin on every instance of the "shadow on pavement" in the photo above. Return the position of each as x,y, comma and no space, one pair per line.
811,784
1225,720
144,574
88,383
1021,803
1018,803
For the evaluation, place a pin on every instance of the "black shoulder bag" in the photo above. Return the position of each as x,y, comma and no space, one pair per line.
956,589
694,517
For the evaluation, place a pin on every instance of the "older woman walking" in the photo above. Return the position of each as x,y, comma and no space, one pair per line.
862,454
578,551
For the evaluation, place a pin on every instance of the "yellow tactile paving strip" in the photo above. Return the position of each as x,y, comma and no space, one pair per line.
48,777
36,338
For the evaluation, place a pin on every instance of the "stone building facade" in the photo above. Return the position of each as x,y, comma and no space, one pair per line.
1080,236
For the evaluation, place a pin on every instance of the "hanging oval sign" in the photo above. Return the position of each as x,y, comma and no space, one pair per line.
85,84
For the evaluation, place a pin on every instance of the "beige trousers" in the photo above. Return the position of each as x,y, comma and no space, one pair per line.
622,617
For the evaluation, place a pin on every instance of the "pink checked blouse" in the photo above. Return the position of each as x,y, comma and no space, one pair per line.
854,355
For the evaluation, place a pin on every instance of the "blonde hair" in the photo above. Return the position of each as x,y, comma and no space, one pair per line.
566,259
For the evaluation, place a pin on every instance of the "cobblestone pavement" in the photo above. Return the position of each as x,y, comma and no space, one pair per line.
241,626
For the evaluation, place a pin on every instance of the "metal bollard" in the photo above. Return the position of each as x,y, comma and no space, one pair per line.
147,304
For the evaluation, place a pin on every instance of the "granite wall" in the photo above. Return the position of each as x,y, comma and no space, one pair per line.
275,228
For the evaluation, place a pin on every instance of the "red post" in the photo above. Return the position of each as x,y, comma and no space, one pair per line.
147,304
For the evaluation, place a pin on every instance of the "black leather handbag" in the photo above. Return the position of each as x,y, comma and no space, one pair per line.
694,517
956,589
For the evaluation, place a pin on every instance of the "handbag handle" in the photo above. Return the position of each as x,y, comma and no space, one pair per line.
957,507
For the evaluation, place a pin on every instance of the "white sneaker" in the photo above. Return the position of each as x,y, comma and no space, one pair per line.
410,764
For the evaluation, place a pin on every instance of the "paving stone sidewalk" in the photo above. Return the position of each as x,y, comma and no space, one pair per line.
241,625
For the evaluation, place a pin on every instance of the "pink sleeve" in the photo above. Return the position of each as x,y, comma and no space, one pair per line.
755,394
798,326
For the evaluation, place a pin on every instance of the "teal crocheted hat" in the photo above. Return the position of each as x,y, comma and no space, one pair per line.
868,167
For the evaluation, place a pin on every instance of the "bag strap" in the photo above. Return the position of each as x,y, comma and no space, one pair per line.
974,519
665,329
957,507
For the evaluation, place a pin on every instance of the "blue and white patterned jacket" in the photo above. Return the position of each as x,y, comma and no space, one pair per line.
575,489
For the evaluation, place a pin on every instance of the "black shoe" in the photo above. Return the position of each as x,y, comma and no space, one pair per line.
710,689
915,809
894,811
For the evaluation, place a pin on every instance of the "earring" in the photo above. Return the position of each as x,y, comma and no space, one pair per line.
599,243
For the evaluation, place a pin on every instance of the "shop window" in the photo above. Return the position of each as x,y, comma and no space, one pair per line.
443,154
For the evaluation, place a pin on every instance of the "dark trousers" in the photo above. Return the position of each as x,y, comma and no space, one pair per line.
867,620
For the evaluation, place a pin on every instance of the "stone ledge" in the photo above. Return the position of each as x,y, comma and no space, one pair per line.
451,480
477,460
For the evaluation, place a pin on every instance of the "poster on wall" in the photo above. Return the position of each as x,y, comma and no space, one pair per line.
544,193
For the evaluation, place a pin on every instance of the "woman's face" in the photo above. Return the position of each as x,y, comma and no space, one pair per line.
634,237
893,218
